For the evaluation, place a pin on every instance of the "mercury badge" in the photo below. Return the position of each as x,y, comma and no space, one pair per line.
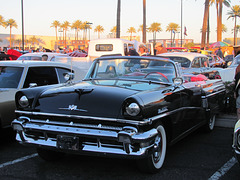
73,108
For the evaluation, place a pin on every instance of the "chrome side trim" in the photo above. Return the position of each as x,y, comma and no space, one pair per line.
212,94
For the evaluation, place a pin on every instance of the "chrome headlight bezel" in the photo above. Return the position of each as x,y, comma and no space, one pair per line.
132,109
23,101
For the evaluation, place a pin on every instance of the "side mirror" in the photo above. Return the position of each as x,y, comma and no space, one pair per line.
177,81
68,76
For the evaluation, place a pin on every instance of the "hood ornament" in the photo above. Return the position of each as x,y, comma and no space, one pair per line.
73,108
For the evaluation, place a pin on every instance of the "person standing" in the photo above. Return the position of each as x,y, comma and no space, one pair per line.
219,53
160,48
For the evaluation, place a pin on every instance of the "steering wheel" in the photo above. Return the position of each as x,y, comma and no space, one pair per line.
157,73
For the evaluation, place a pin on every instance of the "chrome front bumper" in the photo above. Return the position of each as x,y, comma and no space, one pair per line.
107,140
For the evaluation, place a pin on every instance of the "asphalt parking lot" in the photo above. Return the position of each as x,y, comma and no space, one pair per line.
198,156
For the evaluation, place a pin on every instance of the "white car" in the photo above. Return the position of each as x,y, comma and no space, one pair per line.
41,56
16,75
228,73
194,63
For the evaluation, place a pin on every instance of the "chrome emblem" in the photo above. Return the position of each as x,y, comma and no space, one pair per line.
73,108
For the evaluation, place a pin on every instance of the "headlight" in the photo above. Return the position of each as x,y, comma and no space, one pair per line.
23,101
133,109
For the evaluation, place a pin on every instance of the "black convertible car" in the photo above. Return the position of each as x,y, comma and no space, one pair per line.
129,106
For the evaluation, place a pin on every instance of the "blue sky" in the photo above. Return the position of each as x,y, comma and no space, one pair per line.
39,14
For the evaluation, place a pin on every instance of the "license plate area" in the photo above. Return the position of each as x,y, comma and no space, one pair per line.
67,142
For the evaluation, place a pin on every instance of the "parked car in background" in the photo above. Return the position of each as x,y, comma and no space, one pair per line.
195,63
16,75
41,56
126,106
215,61
228,59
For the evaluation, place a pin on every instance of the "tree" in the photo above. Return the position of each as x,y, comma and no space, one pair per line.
224,28
56,24
154,28
11,23
77,26
85,26
2,21
114,31
131,30
173,28
18,42
99,29
65,27
33,40
234,13
219,7
205,22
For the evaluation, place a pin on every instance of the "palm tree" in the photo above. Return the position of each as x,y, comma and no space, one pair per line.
114,31
99,29
85,26
65,27
173,28
140,29
131,30
219,7
234,13
11,23
154,28
205,22
2,21
33,40
224,28
77,26
56,24
118,19
18,42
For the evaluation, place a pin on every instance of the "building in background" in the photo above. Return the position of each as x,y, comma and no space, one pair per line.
175,43
36,41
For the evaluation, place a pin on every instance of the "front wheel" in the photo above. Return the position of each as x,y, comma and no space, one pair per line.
155,161
49,155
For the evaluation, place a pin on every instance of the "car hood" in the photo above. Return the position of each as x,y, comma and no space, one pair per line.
92,98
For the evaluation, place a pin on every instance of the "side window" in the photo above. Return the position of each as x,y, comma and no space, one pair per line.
41,76
196,63
204,62
61,72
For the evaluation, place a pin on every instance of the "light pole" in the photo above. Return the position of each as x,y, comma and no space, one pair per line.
144,21
89,28
181,23
22,27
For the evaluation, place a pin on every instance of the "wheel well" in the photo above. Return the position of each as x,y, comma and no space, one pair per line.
167,123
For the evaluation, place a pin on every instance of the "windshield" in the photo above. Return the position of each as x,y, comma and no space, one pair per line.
10,76
182,60
133,68
35,58
235,61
